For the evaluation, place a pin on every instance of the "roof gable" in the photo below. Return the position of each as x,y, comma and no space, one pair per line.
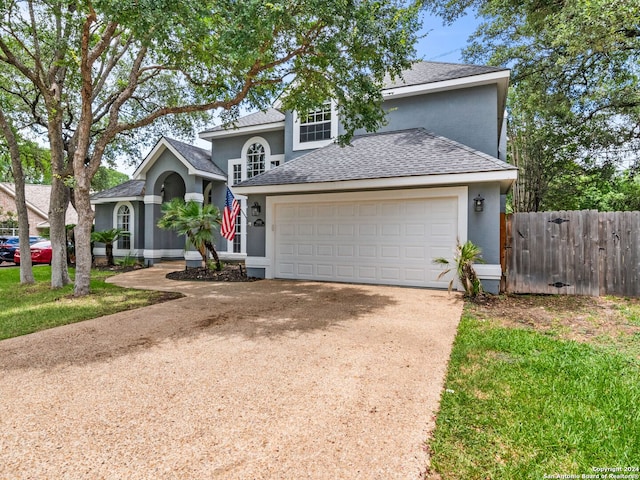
196,160
38,198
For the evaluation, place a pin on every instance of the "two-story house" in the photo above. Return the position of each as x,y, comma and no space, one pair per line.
376,211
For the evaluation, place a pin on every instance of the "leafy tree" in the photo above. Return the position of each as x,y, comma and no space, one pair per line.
108,237
196,222
106,178
35,160
576,77
92,73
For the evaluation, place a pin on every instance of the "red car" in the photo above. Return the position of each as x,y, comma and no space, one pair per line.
40,253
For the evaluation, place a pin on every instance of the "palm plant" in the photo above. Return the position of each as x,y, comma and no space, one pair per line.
466,255
108,237
196,222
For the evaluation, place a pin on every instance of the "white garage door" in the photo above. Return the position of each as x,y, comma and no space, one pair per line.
366,241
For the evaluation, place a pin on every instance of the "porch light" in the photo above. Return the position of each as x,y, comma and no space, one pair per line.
478,204
256,209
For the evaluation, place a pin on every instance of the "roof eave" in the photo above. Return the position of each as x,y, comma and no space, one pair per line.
234,132
506,178
141,172
97,201
501,77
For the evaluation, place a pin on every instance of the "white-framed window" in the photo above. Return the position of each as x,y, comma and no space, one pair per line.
255,159
123,218
237,173
317,129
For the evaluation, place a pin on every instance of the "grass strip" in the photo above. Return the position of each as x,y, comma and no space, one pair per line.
519,404
30,308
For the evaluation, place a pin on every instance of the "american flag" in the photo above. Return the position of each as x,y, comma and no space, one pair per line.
229,214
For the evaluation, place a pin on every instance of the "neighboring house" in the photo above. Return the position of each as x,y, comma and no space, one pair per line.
37,198
377,211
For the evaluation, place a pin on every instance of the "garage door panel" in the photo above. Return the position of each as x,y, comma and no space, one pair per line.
325,230
305,250
325,271
390,242
325,250
368,210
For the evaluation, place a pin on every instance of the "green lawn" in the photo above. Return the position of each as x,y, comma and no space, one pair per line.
29,308
522,401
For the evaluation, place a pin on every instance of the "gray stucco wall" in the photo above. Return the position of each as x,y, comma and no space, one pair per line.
225,149
468,116
104,220
256,234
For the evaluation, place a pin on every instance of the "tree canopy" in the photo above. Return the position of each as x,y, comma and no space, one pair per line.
90,74
575,83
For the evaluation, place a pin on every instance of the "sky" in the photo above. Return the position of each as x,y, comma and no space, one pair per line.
444,43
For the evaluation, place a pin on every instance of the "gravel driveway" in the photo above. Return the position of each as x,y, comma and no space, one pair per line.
263,380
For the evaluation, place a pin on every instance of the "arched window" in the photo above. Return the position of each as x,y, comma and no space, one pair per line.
255,159
123,222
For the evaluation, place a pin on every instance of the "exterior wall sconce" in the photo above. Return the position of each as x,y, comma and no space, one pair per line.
478,204
255,209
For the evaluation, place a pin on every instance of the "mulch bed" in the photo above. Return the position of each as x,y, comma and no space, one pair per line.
229,273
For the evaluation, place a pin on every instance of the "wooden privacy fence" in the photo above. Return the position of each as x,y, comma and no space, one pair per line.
573,252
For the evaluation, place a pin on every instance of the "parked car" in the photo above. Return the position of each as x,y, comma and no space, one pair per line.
40,253
8,246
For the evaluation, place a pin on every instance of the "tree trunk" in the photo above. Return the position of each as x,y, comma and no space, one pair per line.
83,241
58,233
109,251
59,201
26,268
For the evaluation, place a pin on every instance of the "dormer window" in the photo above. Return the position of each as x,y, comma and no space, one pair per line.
317,129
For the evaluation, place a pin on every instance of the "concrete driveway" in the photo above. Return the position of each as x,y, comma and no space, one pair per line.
263,380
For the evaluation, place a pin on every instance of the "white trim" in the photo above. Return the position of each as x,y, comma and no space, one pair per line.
153,199
234,132
297,145
150,159
232,256
230,165
245,151
99,201
461,193
488,271
505,177
453,84
165,253
192,255
102,252
196,197
257,262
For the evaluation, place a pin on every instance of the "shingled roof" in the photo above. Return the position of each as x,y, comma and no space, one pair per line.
429,72
404,153
129,189
198,157
271,115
